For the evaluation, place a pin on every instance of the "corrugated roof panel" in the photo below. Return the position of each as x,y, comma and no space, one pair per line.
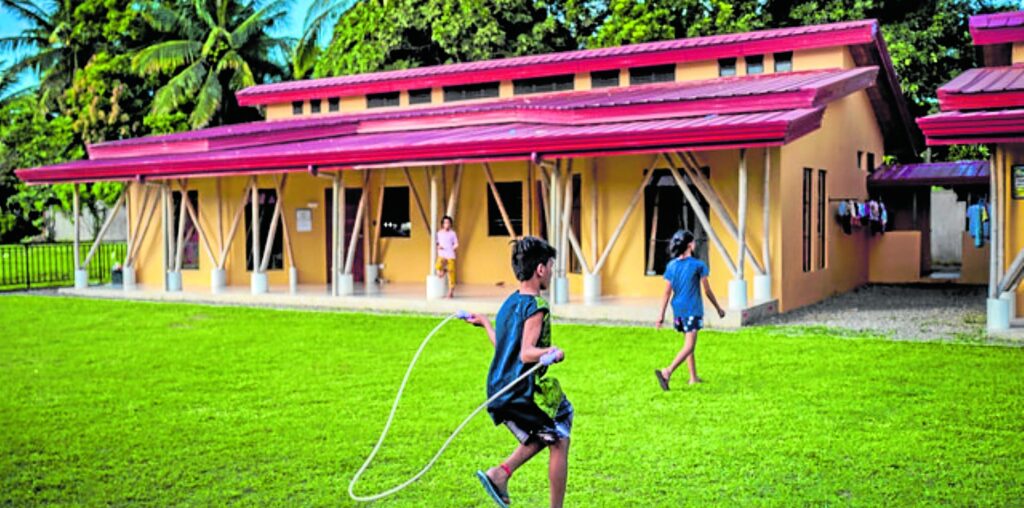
970,172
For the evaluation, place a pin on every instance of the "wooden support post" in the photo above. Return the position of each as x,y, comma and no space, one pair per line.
453,199
77,211
128,216
226,246
433,220
766,199
653,237
530,185
275,221
416,196
335,259
569,234
103,230
498,200
165,197
179,244
566,218
593,208
741,243
284,221
351,251
375,256
255,223
993,276
544,201
203,237
691,168
220,214
367,253
1013,276
140,236
702,218
444,181
625,216
342,223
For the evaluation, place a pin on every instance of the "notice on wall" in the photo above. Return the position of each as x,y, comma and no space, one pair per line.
303,220
1017,181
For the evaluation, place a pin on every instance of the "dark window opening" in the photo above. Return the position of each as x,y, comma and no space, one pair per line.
382,100
333,104
860,159
871,162
190,238
755,64
808,176
726,67
394,219
822,201
666,210
469,92
652,74
268,200
783,61
421,96
604,79
314,106
297,107
543,84
576,222
511,194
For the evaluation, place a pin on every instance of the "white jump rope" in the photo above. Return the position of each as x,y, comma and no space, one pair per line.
545,360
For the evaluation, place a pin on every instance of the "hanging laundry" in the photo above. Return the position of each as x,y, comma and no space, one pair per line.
884,217
976,214
874,217
855,214
843,216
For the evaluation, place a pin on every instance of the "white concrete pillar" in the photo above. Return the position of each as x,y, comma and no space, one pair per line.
128,281
346,283
81,278
762,288
591,288
293,280
370,274
174,281
737,294
258,283
1011,300
998,314
218,280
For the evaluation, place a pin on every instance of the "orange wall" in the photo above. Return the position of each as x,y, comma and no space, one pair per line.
974,262
1013,211
895,257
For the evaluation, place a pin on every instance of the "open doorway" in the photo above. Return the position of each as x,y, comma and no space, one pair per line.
351,206
667,211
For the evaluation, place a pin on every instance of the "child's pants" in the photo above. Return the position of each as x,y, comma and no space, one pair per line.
447,265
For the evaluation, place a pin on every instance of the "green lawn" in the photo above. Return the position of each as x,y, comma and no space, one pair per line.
113,403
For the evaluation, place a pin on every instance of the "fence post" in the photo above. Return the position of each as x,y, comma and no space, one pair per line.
28,272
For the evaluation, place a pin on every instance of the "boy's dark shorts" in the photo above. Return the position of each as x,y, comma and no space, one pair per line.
531,427
689,323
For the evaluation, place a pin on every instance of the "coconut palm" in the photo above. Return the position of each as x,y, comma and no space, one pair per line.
316,30
46,47
213,48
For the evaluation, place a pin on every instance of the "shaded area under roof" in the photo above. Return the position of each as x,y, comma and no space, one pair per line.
926,174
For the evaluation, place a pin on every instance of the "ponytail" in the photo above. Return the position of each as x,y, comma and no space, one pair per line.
679,243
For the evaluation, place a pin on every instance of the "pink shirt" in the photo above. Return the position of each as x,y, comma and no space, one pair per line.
446,243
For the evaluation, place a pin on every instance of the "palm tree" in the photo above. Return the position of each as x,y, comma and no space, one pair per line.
47,47
216,47
316,28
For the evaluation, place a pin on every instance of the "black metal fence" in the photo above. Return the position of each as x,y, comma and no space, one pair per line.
37,265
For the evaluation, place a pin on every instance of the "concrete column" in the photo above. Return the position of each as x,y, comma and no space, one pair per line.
128,278
591,288
174,281
738,286
436,286
560,284
218,280
371,273
293,279
258,284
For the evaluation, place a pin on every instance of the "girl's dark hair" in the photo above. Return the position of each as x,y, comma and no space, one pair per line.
679,243
449,218
528,253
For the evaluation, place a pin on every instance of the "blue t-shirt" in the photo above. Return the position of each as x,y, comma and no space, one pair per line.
685,275
542,391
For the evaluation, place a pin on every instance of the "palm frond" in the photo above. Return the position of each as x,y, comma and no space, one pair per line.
19,42
204,14
179,89
28,11
165,56
242,75
207,103
257,22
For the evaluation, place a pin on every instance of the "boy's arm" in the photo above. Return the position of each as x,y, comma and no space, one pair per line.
711,296
528,351
664,304
482,321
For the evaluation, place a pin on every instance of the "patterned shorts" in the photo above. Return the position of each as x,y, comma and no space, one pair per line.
560,427
689,323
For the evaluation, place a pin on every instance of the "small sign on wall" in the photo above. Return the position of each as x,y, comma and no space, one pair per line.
1017,181
303,220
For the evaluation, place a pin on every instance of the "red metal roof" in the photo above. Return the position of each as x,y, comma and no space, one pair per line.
956,127
933,173
984,88
766,92
634,55
999,28
474,143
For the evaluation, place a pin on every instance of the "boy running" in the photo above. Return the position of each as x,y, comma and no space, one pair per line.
536,410
685,275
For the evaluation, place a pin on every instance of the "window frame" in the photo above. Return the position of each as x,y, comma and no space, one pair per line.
393,204
806,216
750,60
474,91
314,106
383,100
782,56
333,104
297,108
416,96
602,79
822,213
650,74
727,63
544,84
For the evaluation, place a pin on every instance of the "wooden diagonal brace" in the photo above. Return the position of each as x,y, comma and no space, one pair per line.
497,199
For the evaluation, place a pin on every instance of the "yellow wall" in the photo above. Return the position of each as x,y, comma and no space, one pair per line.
1013,211
895,257
1017,56
974,262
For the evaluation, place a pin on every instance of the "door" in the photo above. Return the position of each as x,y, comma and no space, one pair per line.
351,206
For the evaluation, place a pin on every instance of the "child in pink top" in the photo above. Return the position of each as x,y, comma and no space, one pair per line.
447,242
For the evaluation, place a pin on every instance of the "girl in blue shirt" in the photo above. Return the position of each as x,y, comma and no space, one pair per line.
685,275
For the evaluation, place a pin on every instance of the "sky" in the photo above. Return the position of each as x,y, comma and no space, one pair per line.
12,25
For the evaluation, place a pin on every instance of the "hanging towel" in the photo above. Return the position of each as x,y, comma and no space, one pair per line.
975,213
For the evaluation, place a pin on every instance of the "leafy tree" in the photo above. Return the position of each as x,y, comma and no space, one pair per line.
212,48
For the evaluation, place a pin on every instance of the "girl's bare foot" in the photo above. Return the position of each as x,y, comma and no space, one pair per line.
696,380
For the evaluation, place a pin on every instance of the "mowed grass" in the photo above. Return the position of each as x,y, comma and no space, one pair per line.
116,403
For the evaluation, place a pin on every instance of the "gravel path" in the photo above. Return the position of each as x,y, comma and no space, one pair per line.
921,312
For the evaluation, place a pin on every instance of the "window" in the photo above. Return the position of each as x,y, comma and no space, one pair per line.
297,107
822,202
268,200
726,67
666,211
421,96
808,176
783,61
653,74
755,64
468,92
511,194
604,79
334,104
394,219
314,106
190,239
575,222
860,159
871,162
544,84
382,100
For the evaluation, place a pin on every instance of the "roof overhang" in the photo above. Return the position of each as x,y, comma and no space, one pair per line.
973,127
999,28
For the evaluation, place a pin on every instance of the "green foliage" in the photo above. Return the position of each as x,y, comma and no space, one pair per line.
116,403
